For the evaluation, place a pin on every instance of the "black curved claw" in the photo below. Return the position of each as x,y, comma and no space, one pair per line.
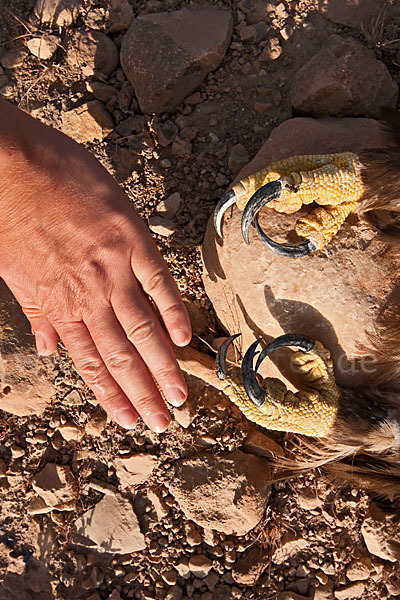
288,339
250,383
284,250
228,200
220,361
268,192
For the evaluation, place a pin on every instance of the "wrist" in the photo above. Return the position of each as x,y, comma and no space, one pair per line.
22,147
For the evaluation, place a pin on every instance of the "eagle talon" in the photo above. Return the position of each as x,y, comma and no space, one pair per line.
334,182
253,389
220,361
264,195
304,343
269,403
283,249
228,200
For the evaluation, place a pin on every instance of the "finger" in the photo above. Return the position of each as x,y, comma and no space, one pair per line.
128,369
46,337
91,367
156,281
144,331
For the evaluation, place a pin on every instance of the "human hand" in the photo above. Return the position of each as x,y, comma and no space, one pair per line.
83,265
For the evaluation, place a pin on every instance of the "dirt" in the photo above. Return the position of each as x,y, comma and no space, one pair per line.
311,531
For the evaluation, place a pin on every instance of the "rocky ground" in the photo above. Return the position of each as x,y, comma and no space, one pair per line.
89,511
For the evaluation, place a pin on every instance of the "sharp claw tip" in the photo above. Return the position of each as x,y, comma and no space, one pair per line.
222,369
246,238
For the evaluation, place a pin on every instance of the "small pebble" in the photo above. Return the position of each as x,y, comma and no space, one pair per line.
161,226
43,47
193,536
40,438
170,577
200,565
286,32
168,207
263,107
17,451
70,432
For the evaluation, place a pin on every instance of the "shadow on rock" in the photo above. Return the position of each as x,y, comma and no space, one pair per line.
210,255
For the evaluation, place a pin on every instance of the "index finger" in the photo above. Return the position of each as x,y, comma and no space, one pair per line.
151,271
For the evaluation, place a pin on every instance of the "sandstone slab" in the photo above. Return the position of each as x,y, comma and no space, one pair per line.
135,469
352,590
309,500
359,570
382,537
111,526
56,485
87,123
159,506
333,296
37,506
190,44
101,91
227,492
17,451
343,79
324,592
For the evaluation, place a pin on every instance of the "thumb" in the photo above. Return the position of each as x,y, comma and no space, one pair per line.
46,337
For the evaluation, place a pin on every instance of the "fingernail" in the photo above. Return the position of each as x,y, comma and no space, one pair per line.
41,345
181,337
158,423
175,396
126,418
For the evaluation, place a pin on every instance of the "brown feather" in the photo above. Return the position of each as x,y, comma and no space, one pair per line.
383,481
367,429
363,447
372,465
385,346
380,202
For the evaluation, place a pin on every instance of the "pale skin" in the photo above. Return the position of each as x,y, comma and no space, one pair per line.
83,266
